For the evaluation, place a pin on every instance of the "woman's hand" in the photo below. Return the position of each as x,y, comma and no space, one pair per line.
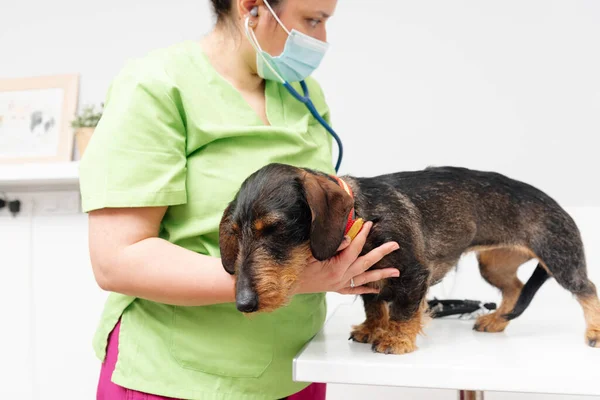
346,272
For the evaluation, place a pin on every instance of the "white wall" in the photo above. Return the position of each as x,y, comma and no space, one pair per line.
510,86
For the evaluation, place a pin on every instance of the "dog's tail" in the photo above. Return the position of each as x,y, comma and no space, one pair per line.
535,282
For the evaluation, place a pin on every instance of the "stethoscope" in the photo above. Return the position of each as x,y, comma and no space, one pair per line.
311,107
305,98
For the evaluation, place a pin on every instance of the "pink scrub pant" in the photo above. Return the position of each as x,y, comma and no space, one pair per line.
110,391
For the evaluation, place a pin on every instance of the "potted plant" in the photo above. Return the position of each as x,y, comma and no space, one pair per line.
84,124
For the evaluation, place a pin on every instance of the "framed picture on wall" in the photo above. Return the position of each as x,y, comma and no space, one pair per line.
35,118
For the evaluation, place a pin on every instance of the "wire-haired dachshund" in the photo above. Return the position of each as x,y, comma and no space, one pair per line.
283,214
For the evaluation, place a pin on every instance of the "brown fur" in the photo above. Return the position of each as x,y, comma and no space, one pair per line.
228,241
499,268
591,312
400,337
259,224
377,322
275,282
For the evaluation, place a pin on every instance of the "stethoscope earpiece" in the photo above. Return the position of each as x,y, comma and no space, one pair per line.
254,11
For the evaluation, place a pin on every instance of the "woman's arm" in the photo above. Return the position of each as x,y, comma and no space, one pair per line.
127,257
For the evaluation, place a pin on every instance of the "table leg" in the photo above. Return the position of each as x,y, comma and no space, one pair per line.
470,395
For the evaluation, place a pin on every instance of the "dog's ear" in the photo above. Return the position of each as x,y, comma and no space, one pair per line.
329,205
228,241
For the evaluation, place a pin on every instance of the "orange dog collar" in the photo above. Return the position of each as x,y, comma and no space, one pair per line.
353,225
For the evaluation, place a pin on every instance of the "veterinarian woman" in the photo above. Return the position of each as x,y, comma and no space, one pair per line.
182,128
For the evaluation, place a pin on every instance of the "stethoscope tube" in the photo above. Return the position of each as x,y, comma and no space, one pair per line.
311,107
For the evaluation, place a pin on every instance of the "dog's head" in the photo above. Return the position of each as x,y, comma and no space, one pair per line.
280,217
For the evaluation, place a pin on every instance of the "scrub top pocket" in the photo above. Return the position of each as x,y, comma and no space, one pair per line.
208,339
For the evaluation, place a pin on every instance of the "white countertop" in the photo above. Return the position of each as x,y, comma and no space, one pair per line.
538,353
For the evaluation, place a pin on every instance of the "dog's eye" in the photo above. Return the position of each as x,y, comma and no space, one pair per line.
269,229
234,228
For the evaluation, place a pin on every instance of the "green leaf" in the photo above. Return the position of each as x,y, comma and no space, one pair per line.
88,117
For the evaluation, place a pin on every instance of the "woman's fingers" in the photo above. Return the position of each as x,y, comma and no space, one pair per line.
358,290
375,275
355,247
347,264
368,277
371,258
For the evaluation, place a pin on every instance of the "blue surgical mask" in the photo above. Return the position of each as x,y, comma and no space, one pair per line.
301,55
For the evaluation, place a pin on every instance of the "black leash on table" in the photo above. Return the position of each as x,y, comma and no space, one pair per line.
444,308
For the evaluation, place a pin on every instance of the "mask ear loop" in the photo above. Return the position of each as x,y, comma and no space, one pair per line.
254,42
276,17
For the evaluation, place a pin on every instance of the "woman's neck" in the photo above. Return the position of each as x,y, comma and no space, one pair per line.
231,59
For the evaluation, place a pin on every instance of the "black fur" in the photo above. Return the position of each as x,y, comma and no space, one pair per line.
533,284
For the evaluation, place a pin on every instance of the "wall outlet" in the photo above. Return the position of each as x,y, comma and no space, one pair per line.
57,203
43,203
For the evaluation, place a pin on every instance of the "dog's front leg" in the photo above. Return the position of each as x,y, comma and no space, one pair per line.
376,322
407,313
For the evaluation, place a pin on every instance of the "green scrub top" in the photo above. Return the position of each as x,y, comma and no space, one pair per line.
176,133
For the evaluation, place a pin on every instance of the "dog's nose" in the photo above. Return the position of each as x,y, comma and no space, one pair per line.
246,301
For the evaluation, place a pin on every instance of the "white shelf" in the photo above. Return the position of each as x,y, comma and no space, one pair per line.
39,176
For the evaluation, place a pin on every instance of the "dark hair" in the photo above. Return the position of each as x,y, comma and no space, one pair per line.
222,8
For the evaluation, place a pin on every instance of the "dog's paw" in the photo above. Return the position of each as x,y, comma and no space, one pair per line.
360,336
490,323
394,344
592,337
364,334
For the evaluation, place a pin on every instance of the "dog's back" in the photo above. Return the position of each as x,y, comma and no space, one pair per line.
482,208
